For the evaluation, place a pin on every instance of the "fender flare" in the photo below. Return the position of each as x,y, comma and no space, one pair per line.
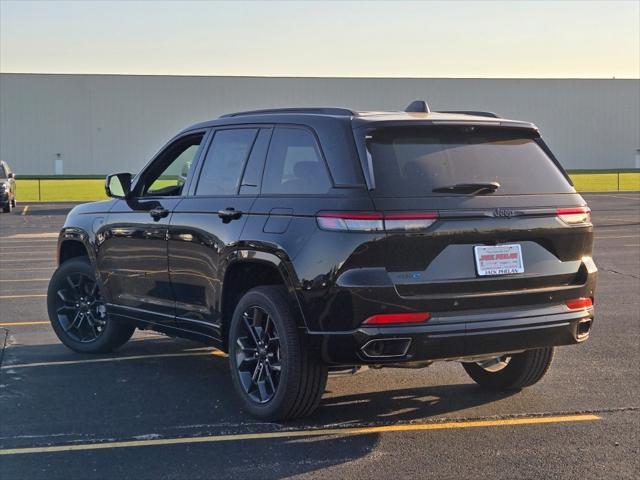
279,262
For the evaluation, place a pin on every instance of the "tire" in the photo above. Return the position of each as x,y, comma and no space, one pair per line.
289,363
90,317
8,207
523,370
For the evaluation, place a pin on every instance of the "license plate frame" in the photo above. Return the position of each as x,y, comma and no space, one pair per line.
498,260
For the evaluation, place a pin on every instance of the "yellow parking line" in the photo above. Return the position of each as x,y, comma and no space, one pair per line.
20,324
32,235
25,210
216,353
305,433
10,297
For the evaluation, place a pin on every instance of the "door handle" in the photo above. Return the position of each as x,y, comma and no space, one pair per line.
229,214
158,213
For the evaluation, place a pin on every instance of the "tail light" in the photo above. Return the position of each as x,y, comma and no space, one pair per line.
579,303
397,318
350,222
375,221
574,216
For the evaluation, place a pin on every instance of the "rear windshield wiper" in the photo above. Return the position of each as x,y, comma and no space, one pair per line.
470,188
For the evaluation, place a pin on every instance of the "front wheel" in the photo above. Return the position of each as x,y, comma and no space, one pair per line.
511,372
77,311
275,372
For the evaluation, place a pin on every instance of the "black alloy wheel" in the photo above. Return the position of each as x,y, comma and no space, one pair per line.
276,370
78,312
258,355
80,309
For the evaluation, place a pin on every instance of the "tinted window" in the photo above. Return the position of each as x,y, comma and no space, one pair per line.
413,162
294,164
168,174
253,171
224,162
3,174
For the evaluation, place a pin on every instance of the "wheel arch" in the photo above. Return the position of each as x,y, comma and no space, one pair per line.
74,242
252,269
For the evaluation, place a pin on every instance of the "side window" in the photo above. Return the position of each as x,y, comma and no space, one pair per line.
294,164
169,174
225,161
255,165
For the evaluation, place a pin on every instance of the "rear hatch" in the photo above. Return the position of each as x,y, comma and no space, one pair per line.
475,216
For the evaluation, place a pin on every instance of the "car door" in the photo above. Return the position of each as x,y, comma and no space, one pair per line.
206,225
132,256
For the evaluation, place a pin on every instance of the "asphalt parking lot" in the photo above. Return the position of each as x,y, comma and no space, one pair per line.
165,408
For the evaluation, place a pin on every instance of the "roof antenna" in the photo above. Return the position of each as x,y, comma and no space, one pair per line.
418,106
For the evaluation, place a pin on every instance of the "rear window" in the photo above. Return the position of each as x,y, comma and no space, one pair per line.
412,162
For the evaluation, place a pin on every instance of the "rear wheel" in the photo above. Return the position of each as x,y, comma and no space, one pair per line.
511,372
77,311
7,208
274,371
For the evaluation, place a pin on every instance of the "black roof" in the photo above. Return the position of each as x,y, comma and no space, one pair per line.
309,115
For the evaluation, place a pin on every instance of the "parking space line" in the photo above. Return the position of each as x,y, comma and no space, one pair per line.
32,235
27,280
27,253
306,433
16,247
22,260
5,240
20,324
616,236
12,297
29,269
215,353
25,210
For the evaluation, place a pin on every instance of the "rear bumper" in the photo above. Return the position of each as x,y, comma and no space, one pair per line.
464,334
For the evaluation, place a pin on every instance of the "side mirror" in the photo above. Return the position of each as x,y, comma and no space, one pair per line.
118,185
11,175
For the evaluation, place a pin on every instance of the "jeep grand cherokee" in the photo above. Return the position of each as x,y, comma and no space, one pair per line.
308,240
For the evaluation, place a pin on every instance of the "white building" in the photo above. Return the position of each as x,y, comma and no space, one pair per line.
96,124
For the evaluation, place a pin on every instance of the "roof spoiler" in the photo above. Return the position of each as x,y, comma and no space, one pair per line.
473,112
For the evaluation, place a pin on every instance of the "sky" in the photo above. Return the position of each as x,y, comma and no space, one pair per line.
514,39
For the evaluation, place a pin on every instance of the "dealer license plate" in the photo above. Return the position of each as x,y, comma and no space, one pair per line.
498,259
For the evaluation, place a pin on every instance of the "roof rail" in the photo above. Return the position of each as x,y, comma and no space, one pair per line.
317,110
418,106
470,112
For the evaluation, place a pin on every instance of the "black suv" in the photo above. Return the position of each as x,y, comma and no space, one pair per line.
309,240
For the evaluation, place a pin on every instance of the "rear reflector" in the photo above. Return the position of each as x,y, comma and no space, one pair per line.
578,303
396,318
375,221
574,216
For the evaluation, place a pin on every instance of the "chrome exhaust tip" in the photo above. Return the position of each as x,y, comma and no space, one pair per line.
386,348
583,329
